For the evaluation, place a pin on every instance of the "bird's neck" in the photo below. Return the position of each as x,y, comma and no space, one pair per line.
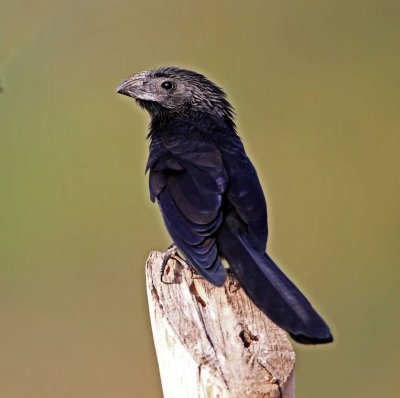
161,120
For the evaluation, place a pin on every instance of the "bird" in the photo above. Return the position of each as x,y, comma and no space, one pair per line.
210,196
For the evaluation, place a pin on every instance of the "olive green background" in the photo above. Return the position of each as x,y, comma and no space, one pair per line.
316,87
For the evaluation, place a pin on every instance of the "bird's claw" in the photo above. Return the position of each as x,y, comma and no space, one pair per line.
234,285
170,253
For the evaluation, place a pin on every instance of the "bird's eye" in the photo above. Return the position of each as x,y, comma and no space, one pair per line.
167,85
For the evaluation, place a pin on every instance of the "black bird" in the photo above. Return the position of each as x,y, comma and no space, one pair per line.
210,196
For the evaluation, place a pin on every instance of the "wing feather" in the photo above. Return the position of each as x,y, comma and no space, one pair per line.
188,185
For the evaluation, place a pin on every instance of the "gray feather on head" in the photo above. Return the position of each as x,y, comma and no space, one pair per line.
169,90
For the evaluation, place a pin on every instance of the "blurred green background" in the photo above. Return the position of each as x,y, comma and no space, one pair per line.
316,86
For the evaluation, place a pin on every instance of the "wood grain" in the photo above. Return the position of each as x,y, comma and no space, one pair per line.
214,342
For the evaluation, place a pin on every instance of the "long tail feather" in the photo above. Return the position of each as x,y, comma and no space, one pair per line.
270,289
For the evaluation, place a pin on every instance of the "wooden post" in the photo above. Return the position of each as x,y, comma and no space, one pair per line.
213,342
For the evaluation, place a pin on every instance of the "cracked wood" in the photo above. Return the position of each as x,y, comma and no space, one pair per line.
214,342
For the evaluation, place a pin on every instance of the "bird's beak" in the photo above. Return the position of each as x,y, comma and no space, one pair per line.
131,86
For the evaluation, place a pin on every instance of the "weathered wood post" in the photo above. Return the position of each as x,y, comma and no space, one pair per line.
213,342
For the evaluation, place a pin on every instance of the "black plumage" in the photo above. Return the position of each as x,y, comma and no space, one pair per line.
210,196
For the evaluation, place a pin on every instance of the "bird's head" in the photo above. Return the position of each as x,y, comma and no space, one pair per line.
172,90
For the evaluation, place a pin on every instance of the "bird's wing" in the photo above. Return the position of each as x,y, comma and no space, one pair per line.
188,182
244,192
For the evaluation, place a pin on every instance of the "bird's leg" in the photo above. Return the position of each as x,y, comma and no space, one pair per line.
234,285
171,252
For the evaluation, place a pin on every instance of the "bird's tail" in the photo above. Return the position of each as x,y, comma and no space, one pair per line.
270,289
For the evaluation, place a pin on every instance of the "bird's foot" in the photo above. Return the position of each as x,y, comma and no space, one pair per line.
234,284
194,274
170,253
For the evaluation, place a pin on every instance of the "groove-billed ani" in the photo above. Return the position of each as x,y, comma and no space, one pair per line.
210,196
